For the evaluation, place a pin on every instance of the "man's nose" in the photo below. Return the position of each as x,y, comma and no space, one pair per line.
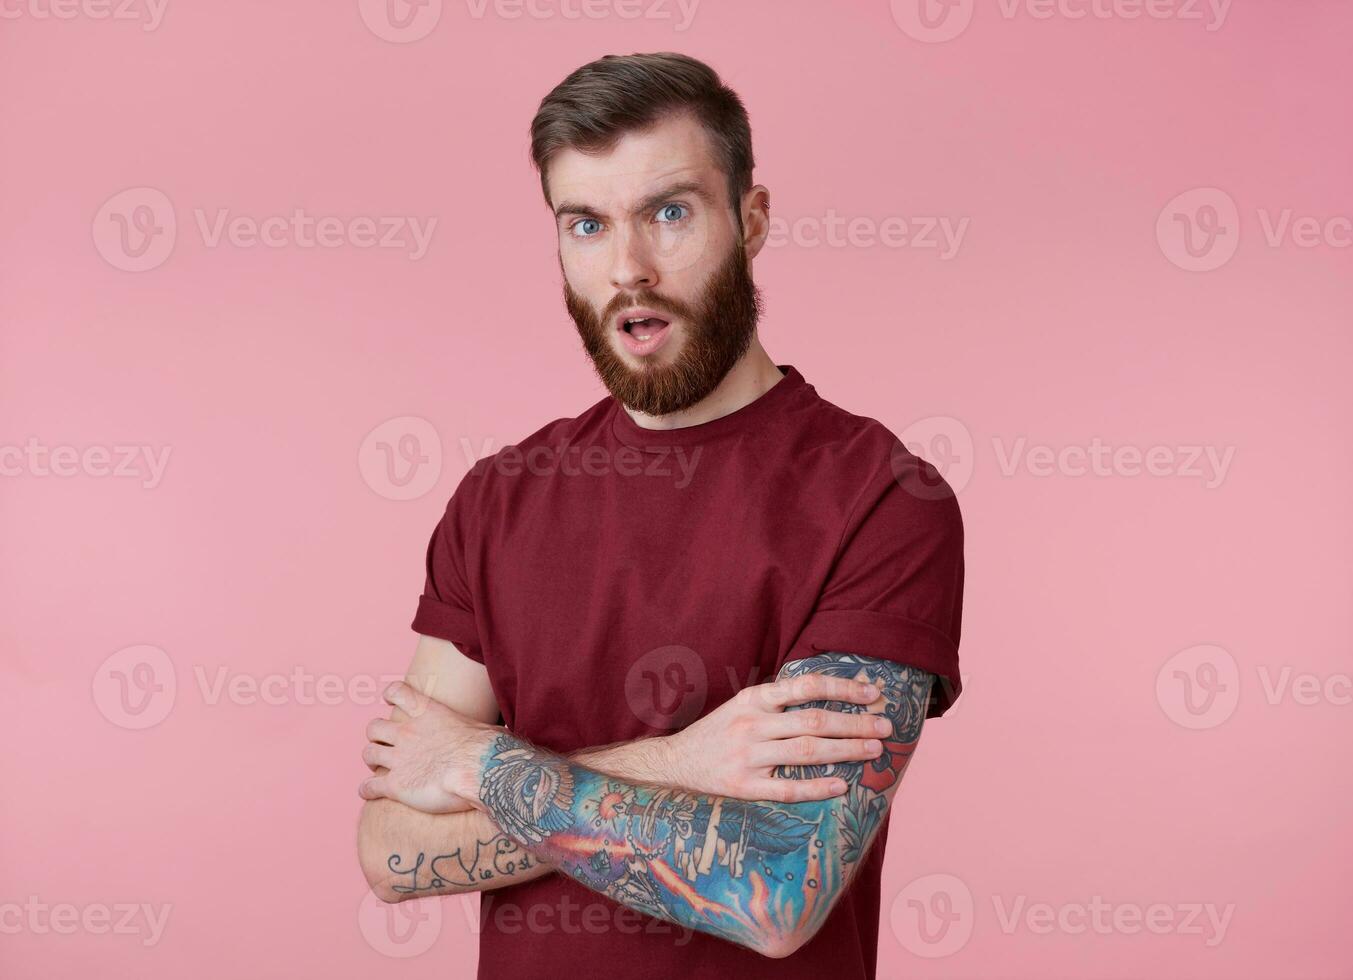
632,265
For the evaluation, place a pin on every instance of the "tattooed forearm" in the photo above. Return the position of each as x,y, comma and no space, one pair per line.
763,875
750,872
467,867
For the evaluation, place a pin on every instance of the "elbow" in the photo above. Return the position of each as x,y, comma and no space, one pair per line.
378,880
782,944
372,855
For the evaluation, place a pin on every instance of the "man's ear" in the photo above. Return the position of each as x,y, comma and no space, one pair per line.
755,214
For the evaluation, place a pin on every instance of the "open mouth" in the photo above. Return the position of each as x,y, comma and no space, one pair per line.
643,331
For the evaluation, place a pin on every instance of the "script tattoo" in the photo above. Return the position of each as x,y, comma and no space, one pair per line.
752,872
467,866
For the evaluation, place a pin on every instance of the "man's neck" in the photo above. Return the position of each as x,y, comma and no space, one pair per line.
751,377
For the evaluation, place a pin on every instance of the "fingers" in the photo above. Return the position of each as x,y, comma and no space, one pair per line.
817,687
405,698
374,788
381,730
796,790
826,723
808,750
376,755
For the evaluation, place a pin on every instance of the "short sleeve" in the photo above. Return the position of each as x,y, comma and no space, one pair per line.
446,607
895,591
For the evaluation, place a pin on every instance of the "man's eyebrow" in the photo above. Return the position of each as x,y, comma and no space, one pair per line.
695,187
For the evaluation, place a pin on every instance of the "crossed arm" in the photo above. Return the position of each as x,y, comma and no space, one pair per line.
761,874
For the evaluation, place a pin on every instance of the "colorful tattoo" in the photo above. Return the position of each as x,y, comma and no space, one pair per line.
906,696
755,873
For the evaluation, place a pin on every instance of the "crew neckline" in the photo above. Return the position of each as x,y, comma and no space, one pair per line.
631,433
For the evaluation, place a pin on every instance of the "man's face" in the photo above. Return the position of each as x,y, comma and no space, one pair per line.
646,233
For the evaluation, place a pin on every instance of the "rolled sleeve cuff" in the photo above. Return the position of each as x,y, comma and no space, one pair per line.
886,637
446,622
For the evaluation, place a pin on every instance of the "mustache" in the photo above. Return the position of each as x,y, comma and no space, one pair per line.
648,299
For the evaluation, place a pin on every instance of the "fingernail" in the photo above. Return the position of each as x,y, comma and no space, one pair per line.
883,726
838,785
873,745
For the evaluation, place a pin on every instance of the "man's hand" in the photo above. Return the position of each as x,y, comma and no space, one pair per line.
734,750
423,754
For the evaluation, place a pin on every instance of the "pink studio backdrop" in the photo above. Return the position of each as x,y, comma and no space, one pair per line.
1095,265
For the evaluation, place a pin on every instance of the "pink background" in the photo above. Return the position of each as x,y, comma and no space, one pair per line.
273,541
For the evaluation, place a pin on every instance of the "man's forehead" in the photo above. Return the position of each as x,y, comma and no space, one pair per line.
640,163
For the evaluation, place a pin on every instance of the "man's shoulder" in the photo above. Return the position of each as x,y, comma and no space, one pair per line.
852,439
863,450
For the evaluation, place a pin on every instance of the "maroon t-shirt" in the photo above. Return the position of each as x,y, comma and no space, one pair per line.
619,582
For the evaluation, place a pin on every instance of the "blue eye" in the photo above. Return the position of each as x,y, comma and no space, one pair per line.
666,216
587,227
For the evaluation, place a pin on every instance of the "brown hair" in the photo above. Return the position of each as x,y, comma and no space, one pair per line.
602,101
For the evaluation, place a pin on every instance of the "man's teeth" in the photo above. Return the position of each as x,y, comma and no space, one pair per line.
631,325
